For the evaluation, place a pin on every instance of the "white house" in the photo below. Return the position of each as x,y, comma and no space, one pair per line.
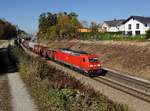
136,25
113,25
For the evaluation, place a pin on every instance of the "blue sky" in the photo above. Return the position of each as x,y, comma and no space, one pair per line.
25,13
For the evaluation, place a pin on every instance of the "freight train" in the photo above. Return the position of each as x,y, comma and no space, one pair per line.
86,63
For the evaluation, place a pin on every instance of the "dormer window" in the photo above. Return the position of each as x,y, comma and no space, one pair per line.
137,26
129,26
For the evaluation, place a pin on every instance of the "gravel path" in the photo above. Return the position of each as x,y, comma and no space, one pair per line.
21,100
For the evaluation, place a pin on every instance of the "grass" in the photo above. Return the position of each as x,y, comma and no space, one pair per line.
53,90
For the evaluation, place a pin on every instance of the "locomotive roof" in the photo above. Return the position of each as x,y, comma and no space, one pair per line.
69,51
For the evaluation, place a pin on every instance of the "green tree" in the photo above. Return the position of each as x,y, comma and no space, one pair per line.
94,27
52,32
72,14
43,23
47,20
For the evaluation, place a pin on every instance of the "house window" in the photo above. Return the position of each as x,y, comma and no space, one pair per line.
105,28
137,32
137,26
129,26
129,33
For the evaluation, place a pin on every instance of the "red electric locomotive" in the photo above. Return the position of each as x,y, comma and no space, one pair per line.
83,61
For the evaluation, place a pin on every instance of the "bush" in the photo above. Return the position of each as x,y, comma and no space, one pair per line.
148,34
7,30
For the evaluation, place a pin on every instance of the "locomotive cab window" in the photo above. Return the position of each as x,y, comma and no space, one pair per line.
83,59
93,59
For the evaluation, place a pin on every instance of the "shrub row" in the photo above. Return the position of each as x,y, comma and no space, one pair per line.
110,36
115,36
148,34
54,90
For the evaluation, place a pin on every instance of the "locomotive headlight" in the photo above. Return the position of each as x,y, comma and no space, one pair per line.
91,65
98,65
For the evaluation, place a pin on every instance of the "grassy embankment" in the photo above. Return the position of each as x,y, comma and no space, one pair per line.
53,90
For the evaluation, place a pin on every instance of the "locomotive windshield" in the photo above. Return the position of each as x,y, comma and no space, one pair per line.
93,59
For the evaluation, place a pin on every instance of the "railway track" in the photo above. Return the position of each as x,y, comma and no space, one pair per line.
134,86
129,85
137,83
124,88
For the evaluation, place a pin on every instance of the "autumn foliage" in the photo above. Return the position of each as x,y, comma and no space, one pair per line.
7,30
58,26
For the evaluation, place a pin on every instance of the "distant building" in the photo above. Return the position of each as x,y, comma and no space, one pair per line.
136,25
84,30
113,25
